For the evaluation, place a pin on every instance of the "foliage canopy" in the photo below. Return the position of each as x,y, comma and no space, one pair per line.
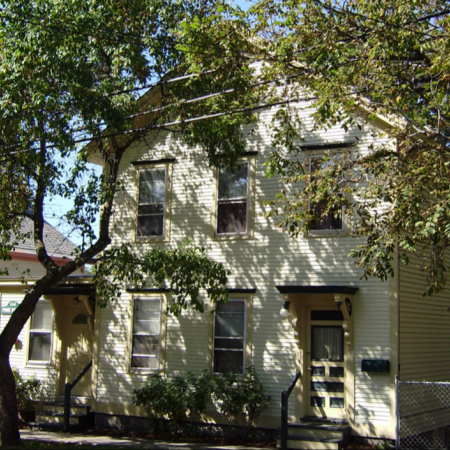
371,59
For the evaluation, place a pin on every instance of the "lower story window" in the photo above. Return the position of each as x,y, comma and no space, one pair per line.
230,336
41,332
146,340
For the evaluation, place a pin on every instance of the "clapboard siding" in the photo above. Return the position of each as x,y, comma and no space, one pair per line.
424,328
271,258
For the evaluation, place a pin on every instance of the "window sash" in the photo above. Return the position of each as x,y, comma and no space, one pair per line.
152,182
229,349
230,218
330,221
40,333
230,186
154,206
42,316
40,346
146,333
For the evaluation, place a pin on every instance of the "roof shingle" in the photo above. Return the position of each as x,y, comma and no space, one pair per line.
55,242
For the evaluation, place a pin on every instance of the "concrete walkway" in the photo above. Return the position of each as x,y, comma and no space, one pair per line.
74,438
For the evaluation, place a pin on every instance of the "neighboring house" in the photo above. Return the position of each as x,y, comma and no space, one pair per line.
37,350
24,258
348,337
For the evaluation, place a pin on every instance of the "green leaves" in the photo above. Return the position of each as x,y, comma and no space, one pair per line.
186,270
175,399
240,399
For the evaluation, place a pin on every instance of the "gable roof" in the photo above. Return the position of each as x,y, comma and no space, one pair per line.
55,242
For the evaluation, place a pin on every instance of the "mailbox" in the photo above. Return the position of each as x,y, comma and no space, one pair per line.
375,365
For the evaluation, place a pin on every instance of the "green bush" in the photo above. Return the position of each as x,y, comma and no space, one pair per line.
177,399
240,397
28,390
199,393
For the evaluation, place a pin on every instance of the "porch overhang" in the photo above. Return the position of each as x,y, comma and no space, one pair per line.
72,289
315,289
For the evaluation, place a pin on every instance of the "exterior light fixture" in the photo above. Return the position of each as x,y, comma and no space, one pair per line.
76,300
284,311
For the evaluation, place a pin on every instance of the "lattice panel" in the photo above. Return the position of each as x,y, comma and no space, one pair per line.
424,415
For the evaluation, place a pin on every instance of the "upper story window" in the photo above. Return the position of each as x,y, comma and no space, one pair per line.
332,220
230,325
146,336
233,200
152,202
40,343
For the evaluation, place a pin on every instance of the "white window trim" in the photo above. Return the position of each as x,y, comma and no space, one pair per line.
245,343
29,330
162,334
164,237
338,231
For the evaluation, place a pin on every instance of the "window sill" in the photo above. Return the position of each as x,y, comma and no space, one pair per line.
38,363
137,371
232,237
151,239
238,375
327,233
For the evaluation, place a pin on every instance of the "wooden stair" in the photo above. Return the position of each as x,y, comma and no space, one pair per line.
52,416
316,433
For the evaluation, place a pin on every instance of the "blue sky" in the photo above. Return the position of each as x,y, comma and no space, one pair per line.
243,3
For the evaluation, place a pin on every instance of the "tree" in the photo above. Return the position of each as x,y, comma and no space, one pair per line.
369,59
72,73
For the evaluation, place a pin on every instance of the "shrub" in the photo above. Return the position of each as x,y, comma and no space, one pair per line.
240,397
28,391
177,399
199,393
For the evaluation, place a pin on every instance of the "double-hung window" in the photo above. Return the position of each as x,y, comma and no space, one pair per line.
152,202
230,324
40,343
232,214
146,339
332,220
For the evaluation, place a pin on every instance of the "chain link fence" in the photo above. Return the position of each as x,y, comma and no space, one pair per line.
423,415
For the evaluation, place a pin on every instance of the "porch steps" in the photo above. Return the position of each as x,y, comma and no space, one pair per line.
313,433
52,416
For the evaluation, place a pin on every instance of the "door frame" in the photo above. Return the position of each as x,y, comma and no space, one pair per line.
300,305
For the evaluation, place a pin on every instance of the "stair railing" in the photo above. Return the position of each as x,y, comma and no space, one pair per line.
284,411
67,391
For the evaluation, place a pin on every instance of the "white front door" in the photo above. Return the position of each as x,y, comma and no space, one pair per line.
325,365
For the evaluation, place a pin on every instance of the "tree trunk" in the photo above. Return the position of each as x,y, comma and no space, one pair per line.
9,420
